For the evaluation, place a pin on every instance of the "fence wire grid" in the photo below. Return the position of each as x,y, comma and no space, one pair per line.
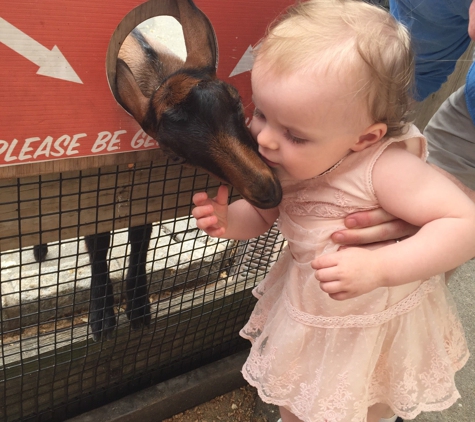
199,288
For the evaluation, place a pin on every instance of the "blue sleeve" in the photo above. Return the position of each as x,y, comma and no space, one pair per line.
470,91
439,36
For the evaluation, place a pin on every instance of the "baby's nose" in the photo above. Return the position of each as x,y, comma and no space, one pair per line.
267,139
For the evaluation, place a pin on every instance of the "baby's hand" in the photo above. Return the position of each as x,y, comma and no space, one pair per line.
347,273
211,214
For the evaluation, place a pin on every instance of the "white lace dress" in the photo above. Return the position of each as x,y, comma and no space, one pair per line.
328,360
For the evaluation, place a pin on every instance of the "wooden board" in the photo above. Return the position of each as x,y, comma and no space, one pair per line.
41,209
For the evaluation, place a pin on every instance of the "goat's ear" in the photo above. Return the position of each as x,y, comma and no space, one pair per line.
130,95
172,93
200,38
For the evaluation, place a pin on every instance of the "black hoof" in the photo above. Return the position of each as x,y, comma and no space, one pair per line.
102,323
138,313
40,252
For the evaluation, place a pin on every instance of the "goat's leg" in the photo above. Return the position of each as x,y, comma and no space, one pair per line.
101,311
40,252
138,304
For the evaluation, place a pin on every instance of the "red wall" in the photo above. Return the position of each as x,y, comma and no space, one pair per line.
44,117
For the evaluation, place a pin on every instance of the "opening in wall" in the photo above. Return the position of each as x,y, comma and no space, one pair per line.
159,24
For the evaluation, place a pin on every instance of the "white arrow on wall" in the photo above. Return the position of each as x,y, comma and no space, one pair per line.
245,63
52,63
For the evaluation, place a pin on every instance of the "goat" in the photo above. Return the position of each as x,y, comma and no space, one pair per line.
194,116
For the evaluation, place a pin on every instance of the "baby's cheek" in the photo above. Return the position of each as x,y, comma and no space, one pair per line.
254,128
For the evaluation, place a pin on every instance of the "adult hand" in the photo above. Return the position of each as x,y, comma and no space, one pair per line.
375,226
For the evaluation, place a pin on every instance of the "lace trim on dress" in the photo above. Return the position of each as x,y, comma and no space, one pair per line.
309,401
437,379
340,406
323,209
372,320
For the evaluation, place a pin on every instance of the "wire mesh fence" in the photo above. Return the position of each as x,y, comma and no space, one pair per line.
199,288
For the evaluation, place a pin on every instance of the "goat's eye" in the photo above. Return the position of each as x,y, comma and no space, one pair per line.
236,105
236,98
234,92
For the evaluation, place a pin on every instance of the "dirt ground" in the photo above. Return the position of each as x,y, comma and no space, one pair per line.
241,405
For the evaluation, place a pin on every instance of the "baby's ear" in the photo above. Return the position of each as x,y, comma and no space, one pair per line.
372,134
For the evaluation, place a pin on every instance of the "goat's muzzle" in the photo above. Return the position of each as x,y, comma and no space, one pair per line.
241,166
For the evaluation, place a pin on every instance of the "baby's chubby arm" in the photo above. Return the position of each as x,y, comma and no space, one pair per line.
411,190
376,226
240,220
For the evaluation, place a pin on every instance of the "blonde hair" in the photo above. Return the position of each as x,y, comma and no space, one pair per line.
347,35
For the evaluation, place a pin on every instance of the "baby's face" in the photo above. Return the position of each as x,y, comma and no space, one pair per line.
304,123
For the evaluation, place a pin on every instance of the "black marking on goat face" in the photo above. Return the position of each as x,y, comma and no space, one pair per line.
207,129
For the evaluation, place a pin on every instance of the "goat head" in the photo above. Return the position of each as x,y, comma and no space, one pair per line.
189,111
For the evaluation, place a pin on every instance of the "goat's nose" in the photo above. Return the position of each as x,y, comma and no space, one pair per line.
265,191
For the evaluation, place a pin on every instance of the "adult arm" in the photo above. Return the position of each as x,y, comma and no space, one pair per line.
379,225
376,226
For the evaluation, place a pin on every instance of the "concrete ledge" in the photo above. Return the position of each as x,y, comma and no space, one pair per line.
33,293
174,396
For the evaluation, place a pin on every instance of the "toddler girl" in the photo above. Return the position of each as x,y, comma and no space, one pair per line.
358,334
